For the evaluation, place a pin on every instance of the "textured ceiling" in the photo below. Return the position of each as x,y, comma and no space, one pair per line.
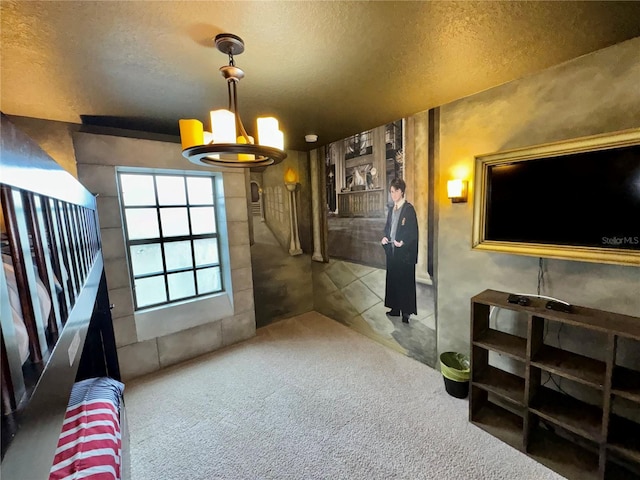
325,67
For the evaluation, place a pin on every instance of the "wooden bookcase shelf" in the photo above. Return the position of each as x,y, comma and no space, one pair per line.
504,343
503,384
564,456
570,365
565,411
500,422
577,439
624,438
626,383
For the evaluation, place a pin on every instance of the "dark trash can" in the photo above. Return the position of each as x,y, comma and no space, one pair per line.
455,368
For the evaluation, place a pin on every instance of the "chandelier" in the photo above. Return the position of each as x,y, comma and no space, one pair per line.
228,144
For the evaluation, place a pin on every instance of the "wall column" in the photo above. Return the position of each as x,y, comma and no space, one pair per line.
316,209
294,245
417,178
341,182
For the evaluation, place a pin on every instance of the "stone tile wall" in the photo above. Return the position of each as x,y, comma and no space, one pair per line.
97,158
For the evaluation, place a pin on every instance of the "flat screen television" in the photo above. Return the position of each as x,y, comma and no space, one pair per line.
576,200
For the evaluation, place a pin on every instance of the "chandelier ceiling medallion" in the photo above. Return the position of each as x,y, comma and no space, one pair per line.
228,144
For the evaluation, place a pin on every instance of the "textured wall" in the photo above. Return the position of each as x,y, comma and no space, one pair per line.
53,137
276,198
593,94
98,156
282,283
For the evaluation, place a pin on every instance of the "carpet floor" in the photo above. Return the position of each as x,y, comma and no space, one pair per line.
308,398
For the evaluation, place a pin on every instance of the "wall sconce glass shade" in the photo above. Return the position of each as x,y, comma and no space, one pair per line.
457,190
228,144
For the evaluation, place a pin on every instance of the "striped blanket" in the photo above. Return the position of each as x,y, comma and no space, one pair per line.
90,443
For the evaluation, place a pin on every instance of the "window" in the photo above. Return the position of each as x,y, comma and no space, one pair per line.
171,236
358,145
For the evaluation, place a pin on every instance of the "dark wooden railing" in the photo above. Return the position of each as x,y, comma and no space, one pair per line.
51,253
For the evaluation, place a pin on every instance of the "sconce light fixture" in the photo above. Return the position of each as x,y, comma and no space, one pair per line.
291,182
290,176
457,190
228,144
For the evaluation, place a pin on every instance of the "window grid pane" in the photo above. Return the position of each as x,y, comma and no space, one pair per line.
142,223
150,291
206,251
171,190
181,285
171,234
146,259
178,255
203,220
137,190
209,280
200,191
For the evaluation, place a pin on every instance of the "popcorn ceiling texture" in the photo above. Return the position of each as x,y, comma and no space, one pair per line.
328,68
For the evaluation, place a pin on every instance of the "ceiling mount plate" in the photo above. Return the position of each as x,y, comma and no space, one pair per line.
229,43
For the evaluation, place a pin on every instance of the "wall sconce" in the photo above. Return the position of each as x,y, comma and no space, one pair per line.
290,176
291,182
457,190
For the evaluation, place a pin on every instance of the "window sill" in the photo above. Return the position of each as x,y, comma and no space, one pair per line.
159,322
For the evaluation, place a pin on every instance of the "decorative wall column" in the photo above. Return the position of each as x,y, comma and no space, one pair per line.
290,181
316,203
261,200
416,144
341,181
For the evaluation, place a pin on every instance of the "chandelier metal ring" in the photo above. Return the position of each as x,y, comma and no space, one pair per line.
227,152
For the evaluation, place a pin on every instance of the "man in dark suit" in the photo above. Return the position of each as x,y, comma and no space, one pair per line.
400,243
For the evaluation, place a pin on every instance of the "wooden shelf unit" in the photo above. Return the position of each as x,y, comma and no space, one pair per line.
577,439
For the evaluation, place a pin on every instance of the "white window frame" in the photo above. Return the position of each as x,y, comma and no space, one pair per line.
175,316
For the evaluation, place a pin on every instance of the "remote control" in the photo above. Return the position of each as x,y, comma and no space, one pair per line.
558,306
519,299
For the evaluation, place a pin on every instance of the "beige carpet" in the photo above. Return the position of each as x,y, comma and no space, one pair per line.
308,398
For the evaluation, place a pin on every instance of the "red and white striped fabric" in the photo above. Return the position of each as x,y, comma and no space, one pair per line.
89,446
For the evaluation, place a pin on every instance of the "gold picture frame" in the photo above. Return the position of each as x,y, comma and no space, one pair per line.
483,163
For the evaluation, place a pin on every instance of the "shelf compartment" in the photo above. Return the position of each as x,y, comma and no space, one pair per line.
511,345
620,468
568,412
501,423
570,365
624,437
626,383
566,457
501,383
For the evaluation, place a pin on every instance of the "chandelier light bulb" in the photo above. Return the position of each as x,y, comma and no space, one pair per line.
223,126
191,132
269,134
